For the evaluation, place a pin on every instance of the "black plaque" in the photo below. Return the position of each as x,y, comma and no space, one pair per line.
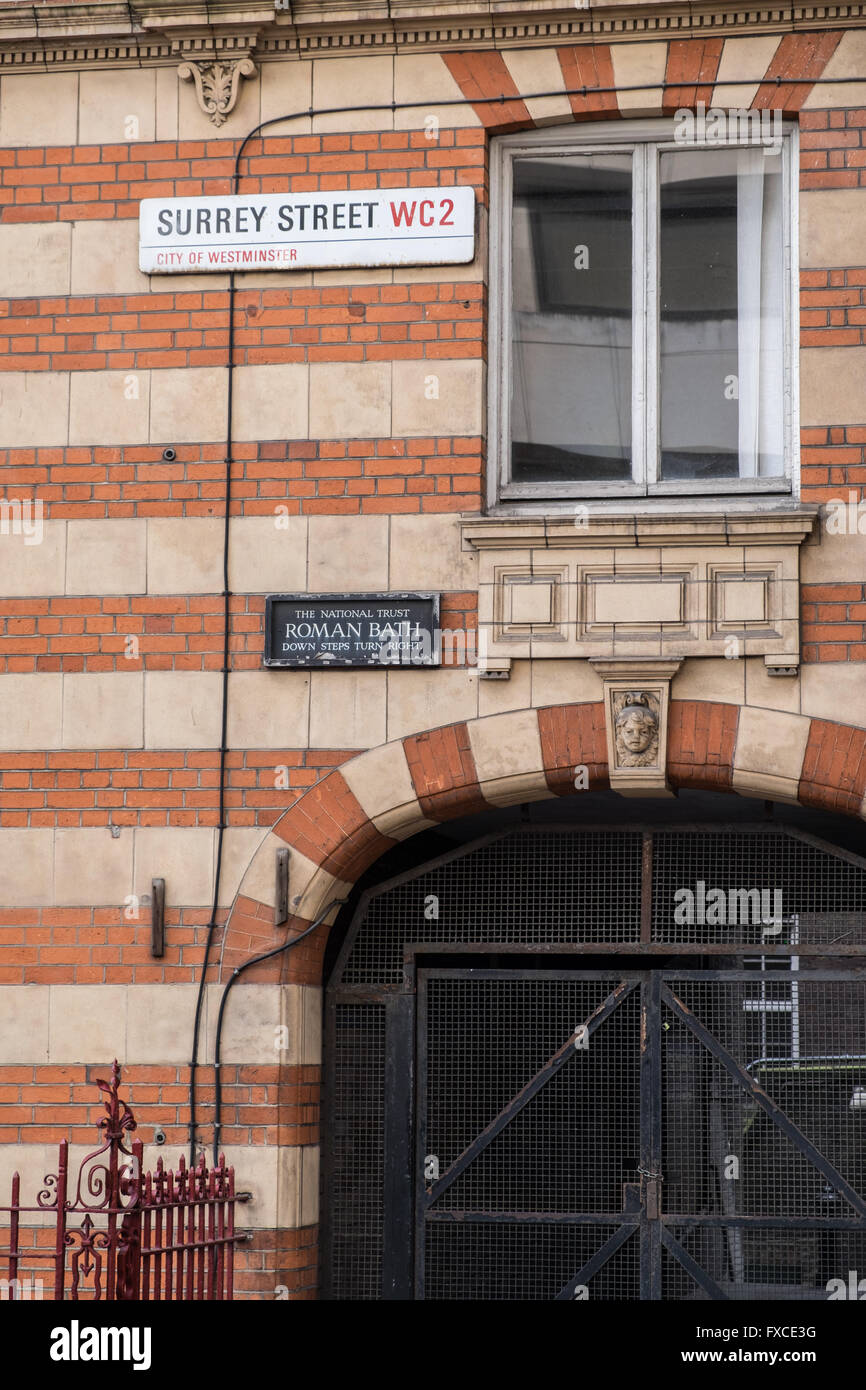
330,630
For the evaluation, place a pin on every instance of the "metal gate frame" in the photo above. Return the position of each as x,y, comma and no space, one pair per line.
643,1212
406,1200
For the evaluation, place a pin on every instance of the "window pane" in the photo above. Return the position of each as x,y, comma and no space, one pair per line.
721,314
571,319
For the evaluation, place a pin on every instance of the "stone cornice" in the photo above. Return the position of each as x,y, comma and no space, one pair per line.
110,33
789,526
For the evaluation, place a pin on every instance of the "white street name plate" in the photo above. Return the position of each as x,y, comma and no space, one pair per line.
303,231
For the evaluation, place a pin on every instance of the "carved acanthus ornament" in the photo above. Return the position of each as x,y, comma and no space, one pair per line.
217,82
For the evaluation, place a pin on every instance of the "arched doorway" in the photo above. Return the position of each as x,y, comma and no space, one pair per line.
620,1061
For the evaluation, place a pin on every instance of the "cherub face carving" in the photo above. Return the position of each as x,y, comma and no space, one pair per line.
636,727
636,732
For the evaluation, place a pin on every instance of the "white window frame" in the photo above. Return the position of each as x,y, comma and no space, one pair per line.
645,140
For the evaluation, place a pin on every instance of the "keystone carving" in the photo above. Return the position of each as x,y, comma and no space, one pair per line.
636,699
217,82
636,729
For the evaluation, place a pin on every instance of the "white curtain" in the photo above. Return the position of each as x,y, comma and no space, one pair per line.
760,314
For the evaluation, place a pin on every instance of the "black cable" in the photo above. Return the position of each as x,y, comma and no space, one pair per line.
236,973
535,96
391,106
212,924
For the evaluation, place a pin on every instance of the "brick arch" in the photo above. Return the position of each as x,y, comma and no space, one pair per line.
691,68
338,828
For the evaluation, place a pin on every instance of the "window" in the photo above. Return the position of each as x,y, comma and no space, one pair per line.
643,303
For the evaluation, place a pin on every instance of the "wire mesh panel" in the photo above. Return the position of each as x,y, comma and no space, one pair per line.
763,1263
766,1125
754,887
519,1262
708,1138
543,887
618,1280
678,1286
571,1147
715,1125
355,1189
516,1075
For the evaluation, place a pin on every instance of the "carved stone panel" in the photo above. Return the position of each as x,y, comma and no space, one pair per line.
654,586
530,603
636,699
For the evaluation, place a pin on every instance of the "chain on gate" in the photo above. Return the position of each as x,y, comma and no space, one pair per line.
158,1236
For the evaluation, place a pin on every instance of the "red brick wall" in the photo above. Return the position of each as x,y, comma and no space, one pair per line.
260,1104
165,787
172,633
305,477
66,183
139,332
341,323
834,622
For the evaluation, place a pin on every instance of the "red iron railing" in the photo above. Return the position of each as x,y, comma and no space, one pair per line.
142,1236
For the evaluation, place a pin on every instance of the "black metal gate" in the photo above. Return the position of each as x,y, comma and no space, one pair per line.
684,1120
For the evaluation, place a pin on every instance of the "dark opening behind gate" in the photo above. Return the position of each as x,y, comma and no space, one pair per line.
609,1064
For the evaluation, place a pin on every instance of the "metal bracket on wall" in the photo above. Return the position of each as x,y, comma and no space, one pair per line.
281,896
157,917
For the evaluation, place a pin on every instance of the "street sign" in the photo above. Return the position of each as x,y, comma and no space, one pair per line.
352,630
307,231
